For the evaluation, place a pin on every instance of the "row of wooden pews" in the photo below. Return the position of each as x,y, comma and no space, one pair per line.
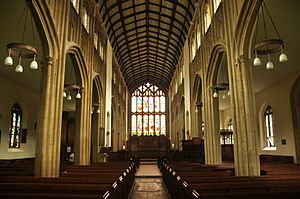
194,180
100,180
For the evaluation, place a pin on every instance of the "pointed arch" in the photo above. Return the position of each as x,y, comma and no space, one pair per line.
76,51
197,90
45,26
214,63
295,108
101,100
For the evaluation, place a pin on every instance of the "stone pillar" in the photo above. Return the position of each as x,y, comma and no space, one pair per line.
199,120
212,130
246,158
82,139
48,141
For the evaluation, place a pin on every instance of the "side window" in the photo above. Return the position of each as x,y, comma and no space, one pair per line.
207,17
15,126
230,125
86,19
269,127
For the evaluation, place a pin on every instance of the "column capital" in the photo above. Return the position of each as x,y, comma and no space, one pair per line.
49,60
241,59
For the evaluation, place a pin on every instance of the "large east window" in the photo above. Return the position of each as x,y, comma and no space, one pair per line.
148,116
15,126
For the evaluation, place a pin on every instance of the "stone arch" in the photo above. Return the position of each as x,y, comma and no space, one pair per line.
244,124
214,63
197,98
81,65
97,120
295,108
176,127
101,100
48,121
46,27
182,118
82,140
114,135
212,120
197,91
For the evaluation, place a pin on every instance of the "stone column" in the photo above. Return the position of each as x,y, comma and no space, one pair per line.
212,130
48,140
199,120
82,139
245,130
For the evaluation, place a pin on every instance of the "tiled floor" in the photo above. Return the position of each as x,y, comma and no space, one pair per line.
148,183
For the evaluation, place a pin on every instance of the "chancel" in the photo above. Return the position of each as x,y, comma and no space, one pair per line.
149,99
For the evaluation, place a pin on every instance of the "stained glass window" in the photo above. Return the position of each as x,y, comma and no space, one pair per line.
86,19
148,111
269,127
96,40
207,17
15,126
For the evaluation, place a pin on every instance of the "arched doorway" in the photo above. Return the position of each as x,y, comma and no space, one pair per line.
71,108
25,88
97,130
221,89
183,134
295,107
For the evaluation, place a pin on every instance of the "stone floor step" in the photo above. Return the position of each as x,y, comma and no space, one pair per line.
148,161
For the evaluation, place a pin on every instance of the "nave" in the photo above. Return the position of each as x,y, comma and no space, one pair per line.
110,80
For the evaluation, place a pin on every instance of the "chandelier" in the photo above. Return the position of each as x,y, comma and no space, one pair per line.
222,86
69,89
22,50
96,108
267,46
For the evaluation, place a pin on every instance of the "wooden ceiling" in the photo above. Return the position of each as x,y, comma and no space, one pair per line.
147,37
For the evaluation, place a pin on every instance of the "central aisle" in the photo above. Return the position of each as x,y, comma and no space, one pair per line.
148,183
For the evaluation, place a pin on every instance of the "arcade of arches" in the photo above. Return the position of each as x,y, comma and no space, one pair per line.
128,75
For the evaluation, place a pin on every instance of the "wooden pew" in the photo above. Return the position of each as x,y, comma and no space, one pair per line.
113,180
185,180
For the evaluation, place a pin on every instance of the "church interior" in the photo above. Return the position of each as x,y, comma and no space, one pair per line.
149,99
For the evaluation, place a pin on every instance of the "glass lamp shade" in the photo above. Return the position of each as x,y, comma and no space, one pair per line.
224,96
69,96
228,93
19,68
283,57
78,96
34,65
269,65
8,61
215,94
98,110
65,94
256,62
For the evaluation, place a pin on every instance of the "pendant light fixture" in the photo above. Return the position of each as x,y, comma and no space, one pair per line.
267,46
22,50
